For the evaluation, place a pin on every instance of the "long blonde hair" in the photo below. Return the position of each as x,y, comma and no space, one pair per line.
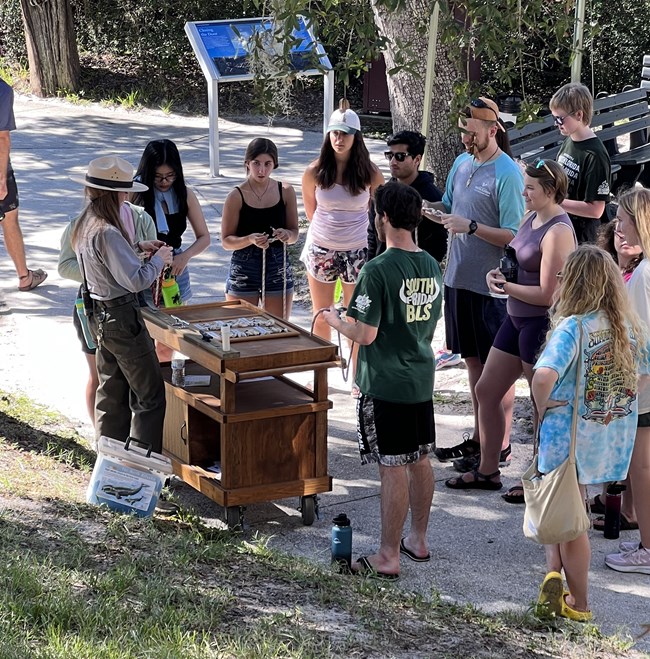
636,203
591,282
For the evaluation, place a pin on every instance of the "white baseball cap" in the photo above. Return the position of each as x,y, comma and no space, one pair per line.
347,121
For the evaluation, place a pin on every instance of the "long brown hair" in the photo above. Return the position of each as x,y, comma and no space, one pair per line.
591,282
103,208
359,169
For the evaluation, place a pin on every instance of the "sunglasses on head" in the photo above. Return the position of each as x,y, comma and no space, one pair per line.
400,156
559,121
541,163
482,105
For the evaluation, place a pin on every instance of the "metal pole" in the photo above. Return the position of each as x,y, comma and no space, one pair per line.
430,73
213,118
578,32
328,98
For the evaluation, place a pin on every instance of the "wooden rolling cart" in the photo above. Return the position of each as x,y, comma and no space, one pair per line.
268,433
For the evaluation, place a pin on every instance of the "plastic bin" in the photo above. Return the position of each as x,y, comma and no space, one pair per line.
127,478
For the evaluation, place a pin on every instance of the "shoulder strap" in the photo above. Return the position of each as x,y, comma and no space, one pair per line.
280,190
576,398
241,194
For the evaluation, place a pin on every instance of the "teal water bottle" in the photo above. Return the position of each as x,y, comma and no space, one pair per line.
342,542
170,292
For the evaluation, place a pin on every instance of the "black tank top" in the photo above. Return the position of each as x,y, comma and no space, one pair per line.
177,223
261,220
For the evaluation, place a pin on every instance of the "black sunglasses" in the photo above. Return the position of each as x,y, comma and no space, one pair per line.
559,121
400,156
482,105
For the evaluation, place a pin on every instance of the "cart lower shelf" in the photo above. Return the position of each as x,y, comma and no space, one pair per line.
233,499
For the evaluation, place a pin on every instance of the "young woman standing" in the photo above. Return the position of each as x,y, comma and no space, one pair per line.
130,400
260,218
172,205
544,241
336,191
592,356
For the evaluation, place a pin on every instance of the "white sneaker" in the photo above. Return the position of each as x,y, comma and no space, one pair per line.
637,560
628,546
445,358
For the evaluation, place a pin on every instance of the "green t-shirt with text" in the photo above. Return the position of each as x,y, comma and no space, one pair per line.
398,292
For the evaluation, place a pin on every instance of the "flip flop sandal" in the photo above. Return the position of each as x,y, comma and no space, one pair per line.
480,482
626,525
403,549
367,570
551,594
36,278
514,495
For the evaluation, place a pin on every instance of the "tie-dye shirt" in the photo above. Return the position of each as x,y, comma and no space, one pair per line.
607,410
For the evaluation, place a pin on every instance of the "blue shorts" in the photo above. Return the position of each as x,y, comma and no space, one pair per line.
522,337
183,281
245,275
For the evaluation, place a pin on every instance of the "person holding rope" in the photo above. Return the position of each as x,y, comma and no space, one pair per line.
260,218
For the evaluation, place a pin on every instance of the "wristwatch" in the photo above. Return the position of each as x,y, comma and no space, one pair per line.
473,226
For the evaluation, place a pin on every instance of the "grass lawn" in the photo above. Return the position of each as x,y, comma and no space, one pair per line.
80,582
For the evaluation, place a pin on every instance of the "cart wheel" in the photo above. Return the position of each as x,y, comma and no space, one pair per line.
234,518
308,510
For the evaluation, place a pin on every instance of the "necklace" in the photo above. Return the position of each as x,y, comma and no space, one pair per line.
259,196
471,176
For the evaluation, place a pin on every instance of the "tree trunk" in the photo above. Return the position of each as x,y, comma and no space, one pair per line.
51,46
406,89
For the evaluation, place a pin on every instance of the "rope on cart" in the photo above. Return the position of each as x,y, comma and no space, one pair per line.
345,370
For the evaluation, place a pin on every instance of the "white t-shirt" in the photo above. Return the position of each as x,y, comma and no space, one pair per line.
638,289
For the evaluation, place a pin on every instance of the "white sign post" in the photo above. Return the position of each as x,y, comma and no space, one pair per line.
222,50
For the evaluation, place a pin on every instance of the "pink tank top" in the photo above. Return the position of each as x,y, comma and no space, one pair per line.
340,221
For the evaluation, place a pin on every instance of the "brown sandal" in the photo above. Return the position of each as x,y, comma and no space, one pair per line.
36,278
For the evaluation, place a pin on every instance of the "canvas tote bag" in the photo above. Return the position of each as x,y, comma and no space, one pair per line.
555,509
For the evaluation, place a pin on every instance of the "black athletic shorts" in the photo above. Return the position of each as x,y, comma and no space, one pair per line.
10,202
472,321
522,337
394,434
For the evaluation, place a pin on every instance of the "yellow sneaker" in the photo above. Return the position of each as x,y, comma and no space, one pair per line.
572,614
551,595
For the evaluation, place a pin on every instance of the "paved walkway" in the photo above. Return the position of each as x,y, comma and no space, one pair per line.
479,554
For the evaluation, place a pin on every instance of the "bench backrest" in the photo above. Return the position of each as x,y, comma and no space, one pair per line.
615,115
645,72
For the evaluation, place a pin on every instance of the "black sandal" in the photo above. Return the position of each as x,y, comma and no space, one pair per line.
465,449
514,495
480,482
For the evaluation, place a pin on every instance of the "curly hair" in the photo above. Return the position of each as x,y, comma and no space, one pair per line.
591,282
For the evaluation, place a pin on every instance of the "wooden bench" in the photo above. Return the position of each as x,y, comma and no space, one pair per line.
615,116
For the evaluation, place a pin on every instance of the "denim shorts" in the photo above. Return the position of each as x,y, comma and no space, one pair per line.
328,265
245,275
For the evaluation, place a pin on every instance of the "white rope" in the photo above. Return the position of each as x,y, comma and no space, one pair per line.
263,278
284,280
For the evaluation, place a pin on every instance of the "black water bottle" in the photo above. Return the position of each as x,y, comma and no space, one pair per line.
612,526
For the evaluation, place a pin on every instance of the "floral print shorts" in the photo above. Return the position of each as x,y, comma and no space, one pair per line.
328,265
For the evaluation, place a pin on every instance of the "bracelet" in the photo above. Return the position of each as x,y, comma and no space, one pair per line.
137,245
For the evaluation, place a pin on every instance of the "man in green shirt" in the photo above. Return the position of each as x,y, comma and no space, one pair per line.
396,304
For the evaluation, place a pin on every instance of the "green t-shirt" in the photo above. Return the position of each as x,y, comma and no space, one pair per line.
398,292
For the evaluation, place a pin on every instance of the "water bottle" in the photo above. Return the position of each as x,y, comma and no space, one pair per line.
342,542
170,292
612,525
178,372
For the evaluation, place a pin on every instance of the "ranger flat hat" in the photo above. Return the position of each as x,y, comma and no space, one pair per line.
110,173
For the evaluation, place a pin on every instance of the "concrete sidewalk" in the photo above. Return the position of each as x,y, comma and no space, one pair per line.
479,554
